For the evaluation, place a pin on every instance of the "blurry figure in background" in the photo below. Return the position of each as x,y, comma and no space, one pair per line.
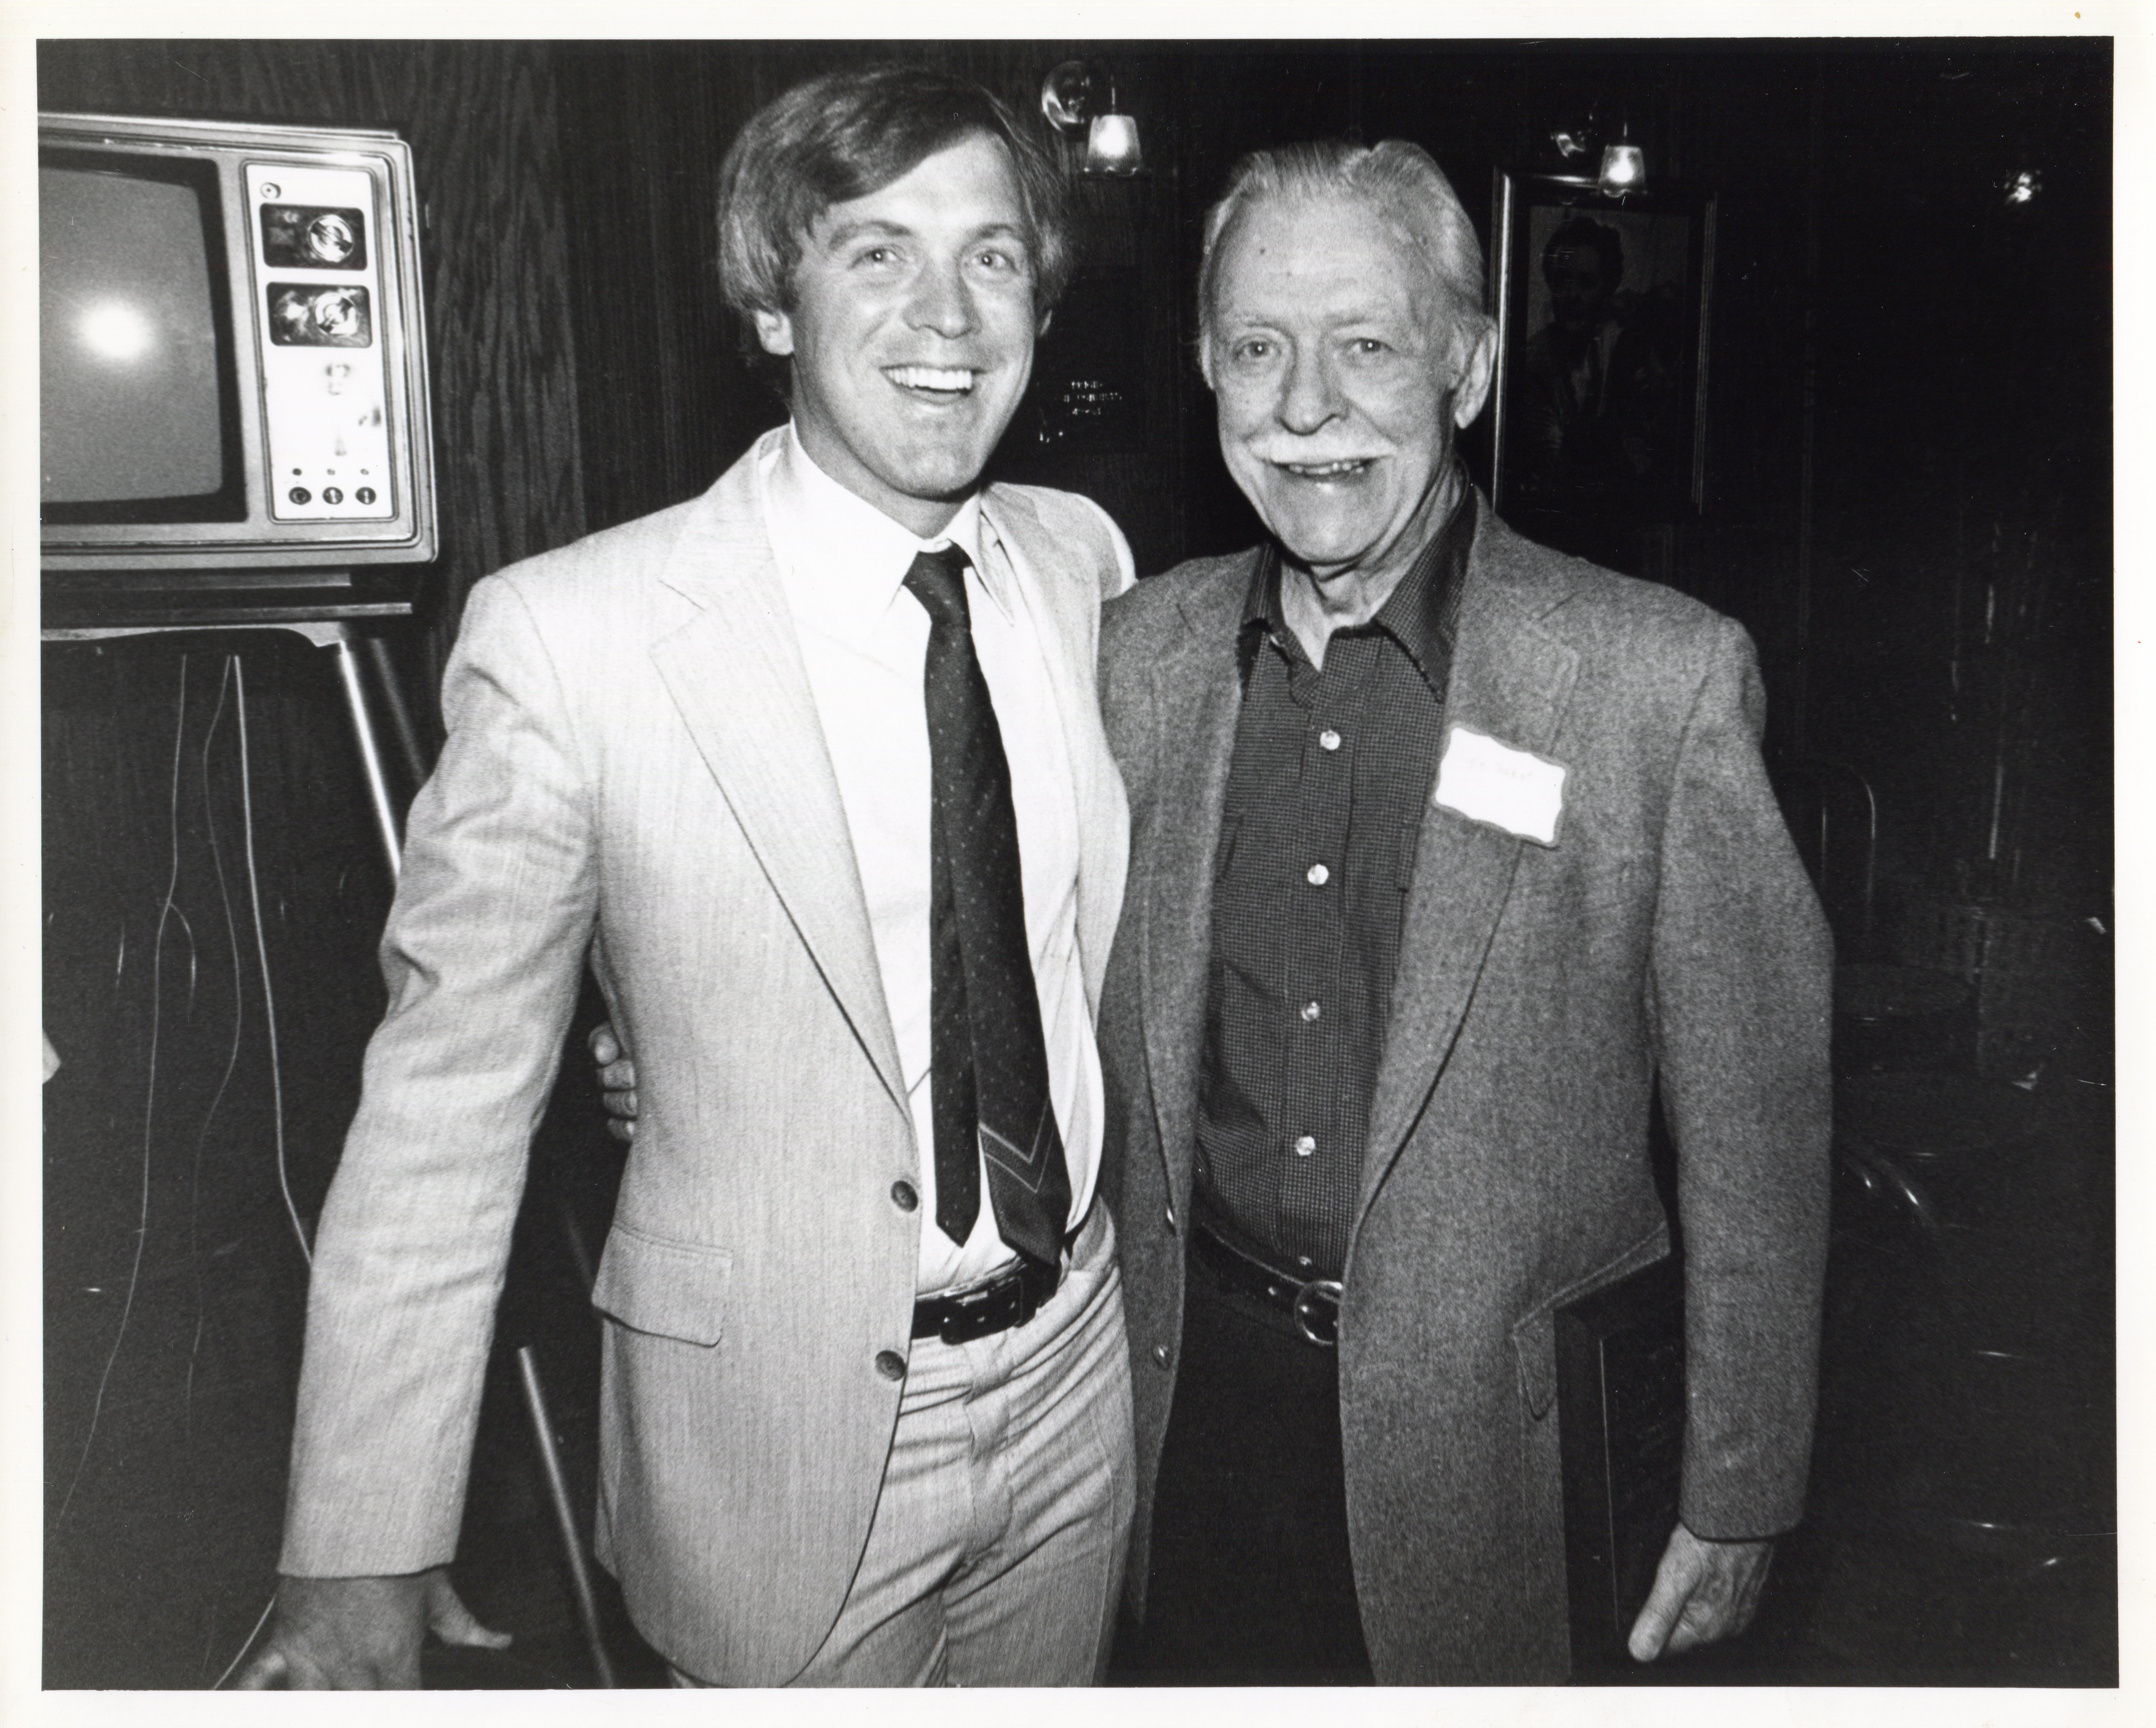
1601,408
1567,365
1643,406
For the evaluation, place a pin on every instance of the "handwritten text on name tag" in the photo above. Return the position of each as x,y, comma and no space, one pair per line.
1514,789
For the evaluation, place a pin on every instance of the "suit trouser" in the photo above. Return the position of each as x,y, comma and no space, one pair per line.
1250,1581
995,1557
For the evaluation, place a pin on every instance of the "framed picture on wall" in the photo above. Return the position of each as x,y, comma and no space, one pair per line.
1603,305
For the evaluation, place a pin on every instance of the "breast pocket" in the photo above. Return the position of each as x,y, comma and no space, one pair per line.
657,1284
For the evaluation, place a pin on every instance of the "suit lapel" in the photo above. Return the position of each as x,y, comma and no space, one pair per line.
1195,701
736,674
1511,680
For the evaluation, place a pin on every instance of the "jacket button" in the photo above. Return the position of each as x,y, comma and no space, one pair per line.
1160,1354
890,1365
903,1196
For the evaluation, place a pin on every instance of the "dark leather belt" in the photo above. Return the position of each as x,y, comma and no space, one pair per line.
1313,1303
1010,1299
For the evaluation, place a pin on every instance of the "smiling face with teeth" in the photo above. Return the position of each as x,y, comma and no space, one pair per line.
911,331
1340,377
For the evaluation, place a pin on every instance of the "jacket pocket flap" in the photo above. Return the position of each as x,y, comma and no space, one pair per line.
677,1290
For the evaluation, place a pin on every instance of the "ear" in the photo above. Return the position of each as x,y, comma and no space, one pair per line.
1473,389
775,330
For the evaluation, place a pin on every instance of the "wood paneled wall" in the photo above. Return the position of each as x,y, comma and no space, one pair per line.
174,1289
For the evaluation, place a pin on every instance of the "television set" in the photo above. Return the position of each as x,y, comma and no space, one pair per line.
233,400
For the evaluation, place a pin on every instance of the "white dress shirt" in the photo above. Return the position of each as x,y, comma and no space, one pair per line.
864,641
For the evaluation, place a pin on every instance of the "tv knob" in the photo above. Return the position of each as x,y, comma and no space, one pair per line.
329,238
301,494
337,313
365,495
332,494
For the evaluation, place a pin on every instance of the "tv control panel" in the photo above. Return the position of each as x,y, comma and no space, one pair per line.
326,382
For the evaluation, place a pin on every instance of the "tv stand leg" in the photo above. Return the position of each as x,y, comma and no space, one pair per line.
347,654
391,690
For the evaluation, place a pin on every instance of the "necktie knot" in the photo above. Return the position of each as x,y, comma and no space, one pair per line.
938,579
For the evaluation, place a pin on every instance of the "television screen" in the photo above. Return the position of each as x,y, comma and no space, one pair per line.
137,423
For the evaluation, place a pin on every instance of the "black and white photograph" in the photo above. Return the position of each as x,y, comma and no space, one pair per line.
1169,863
1604,333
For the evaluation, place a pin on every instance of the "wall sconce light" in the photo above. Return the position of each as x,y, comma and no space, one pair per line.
1578,143
1079,98
1623,168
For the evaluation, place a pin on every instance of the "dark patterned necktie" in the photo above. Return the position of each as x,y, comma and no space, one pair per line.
989,1062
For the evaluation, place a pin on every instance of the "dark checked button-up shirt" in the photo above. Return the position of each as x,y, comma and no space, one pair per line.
1324,797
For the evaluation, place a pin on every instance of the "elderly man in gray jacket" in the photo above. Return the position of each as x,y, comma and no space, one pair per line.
1444,849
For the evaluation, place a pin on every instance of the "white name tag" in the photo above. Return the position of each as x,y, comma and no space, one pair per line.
1514,789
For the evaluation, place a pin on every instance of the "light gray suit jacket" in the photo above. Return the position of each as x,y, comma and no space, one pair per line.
635,770
1541,989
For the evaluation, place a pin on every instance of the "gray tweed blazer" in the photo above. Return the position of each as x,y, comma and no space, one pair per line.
1668,930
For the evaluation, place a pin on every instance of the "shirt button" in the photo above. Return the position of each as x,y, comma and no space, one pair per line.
1310,1011
1328,740
1305,1145
903,1196
890,1365
1317,876
1160,1354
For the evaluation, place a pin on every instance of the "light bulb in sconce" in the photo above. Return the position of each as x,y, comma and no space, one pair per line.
1623,168
1112,145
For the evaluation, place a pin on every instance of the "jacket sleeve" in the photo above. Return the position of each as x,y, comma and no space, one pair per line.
1740,994
1120,576
485,941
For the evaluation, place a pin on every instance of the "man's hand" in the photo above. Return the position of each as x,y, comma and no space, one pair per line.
359,1634
616,1081
1703,1591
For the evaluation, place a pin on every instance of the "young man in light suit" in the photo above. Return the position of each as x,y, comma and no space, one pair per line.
812,768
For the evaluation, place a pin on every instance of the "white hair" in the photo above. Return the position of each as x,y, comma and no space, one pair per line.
1398,182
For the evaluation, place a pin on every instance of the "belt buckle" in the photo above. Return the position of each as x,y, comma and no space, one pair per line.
975,1314
1316,1310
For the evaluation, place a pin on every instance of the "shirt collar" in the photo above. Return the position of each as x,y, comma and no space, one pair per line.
843,560
1421,615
